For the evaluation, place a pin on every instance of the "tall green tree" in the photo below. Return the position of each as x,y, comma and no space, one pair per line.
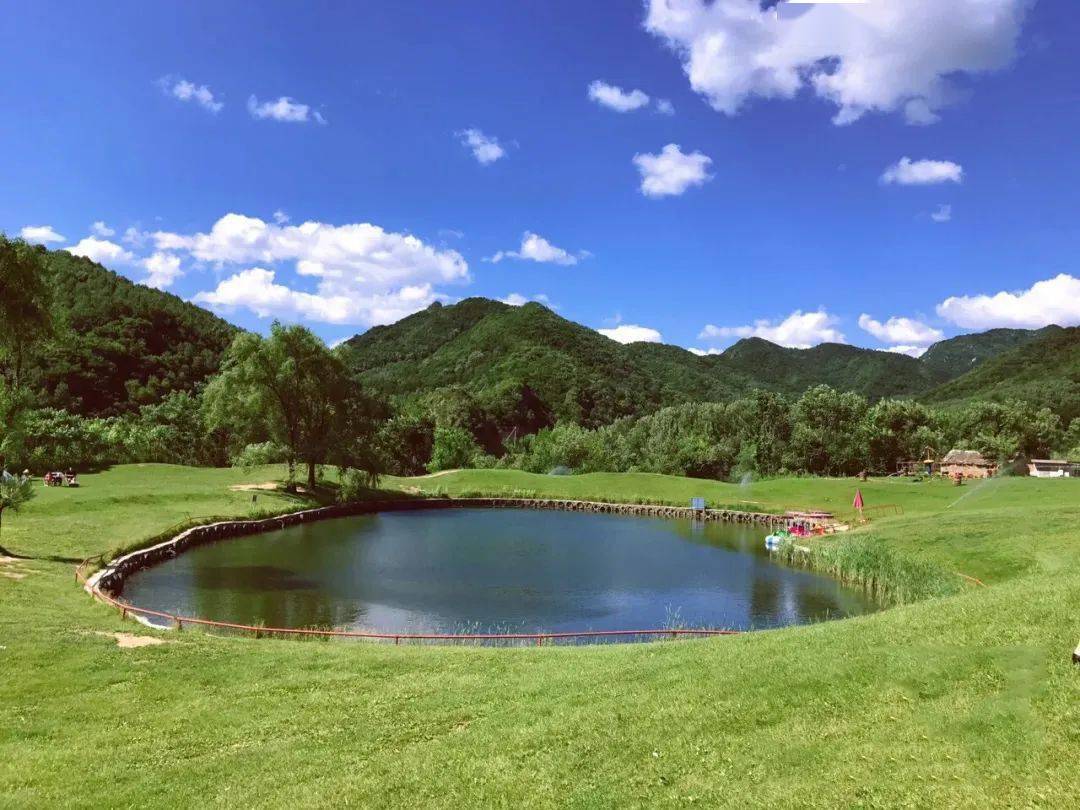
24,305
826,437
14,493
289,387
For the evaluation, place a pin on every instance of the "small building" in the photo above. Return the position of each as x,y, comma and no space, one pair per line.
1053,468
967,464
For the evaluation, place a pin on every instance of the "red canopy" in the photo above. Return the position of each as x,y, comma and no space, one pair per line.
858,499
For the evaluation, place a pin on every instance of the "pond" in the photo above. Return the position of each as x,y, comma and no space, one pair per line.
494,570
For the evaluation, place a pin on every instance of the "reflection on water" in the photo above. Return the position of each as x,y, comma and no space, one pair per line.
494,570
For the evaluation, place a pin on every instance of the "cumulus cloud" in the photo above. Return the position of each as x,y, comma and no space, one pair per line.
872,57
183,90
41,234
905,331
942,214
162,270
615,98
99,228
632,333
256,289
284,109
665,107
1053,301
536,248
365,275
705,352
672,171
799,330
101,251
908,172
133,236
485,148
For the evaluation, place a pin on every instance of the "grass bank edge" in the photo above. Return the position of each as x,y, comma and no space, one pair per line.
861,560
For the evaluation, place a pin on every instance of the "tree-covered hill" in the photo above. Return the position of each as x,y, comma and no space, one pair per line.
951,358
117,345
482,344
583,376
1044,371
871,373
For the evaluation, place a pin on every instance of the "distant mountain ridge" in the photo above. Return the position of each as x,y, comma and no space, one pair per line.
582,375
119,345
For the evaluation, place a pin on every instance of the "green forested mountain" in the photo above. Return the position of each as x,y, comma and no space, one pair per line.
482,344
951,358
117,345
847,368
583,376
1044,370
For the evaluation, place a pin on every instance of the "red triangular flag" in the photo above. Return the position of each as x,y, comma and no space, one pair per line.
858,499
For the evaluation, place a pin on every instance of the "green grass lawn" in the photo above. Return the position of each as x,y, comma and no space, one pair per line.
966,700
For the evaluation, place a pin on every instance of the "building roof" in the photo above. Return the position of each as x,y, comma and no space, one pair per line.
966,457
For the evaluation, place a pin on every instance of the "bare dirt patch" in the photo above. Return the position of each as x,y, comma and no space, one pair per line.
266,486
127,641
11,568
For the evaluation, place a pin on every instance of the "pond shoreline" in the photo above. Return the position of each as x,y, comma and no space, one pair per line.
107,583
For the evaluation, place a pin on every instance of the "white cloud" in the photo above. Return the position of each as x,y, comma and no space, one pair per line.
280,217
942,214
615,98
256,289
671,172
366,275
665,107
360,252
632,333
485,148
101,251
908,172
917,112
1053,301
184,90
284,109
162,270
705,352
536,248
901,330
133,236
874,57
799,330
41,234
519,300
99,228
910,351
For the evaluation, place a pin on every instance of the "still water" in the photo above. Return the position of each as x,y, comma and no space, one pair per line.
494,570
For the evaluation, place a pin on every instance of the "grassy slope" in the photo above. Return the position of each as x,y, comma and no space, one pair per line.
969,700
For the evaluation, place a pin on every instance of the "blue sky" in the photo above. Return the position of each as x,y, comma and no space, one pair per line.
761,201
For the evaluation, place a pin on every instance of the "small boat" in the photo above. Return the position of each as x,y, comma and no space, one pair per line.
773,541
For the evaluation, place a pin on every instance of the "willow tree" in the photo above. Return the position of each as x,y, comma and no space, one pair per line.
289,387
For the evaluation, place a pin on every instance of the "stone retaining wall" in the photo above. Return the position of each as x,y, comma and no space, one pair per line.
110,579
